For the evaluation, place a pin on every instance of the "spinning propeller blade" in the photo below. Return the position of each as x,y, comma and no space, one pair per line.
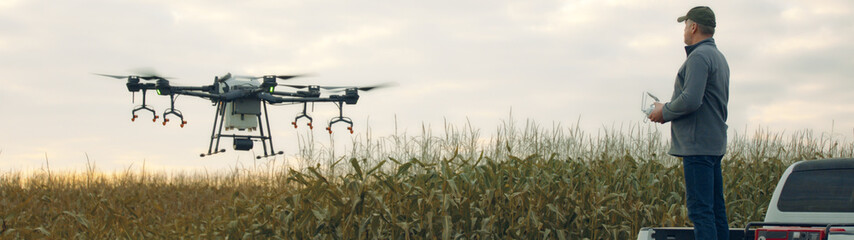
280,77
342,88
143,73
149,74
378,86
294,86
365,88
112,76
286,77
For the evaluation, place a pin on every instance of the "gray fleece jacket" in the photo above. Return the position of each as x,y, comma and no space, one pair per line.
697,112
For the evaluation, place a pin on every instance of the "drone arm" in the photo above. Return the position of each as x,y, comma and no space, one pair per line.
136,87
229,96
289,94
185,88
200,94
271,99
274,99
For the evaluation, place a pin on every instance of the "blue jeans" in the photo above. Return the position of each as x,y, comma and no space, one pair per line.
705,197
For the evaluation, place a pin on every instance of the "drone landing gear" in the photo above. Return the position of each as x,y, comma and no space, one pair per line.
173,111
304,115
143,107
340,118
241,142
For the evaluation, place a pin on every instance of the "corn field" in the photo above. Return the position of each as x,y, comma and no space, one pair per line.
522,182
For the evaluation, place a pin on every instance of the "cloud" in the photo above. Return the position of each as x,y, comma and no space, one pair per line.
550,61
9,4
798,14
799,111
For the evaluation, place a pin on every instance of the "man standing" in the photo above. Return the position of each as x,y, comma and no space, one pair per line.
698,112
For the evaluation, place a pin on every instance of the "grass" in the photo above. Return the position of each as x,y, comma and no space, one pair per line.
524,181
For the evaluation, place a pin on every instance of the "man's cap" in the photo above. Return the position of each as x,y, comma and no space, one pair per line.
700,14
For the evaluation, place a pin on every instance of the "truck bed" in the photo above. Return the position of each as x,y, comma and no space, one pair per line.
684,233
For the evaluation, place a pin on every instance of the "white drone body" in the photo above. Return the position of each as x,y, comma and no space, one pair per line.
241,114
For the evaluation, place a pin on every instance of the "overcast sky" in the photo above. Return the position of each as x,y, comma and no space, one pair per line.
549,61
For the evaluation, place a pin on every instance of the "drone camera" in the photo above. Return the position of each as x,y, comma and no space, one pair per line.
242,144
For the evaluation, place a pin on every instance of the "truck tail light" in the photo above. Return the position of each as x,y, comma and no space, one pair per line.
792,233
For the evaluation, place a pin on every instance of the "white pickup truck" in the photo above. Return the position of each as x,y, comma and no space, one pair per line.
814,200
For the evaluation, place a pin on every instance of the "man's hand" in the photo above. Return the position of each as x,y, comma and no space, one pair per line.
657,115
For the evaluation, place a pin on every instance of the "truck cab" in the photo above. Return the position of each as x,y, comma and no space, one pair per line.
819,191
814,200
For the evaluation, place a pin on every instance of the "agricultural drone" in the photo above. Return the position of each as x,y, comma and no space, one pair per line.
240,101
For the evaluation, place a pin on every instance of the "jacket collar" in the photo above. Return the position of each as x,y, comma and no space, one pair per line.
690,48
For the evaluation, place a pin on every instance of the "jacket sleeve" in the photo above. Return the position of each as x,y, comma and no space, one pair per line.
696,75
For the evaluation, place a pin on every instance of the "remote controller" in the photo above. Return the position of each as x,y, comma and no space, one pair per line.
647,109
